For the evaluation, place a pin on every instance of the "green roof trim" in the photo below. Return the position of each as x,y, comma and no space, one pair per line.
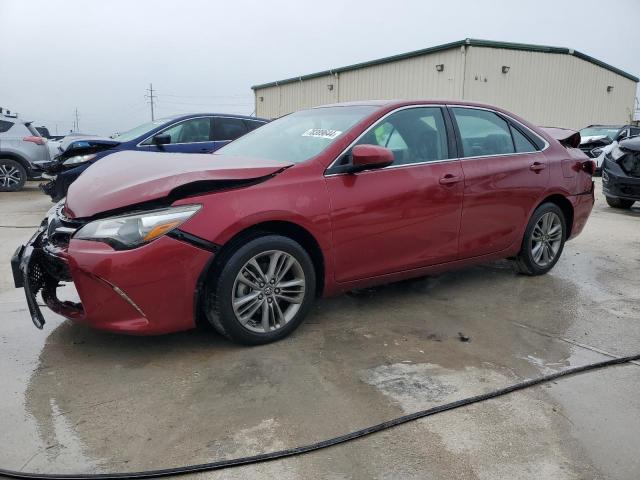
447,46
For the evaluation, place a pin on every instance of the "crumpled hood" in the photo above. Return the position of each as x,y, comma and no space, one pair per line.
78,144
632,144
130,178
593,138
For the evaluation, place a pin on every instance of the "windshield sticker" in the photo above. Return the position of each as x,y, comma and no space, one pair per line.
322,133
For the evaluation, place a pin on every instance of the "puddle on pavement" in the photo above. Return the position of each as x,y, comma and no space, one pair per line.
108,402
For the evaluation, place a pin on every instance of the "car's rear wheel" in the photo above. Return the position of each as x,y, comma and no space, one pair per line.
262,292
543,240
12,175
619,202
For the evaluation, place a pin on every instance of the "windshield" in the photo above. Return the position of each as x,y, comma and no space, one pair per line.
610,132
299,136
139,130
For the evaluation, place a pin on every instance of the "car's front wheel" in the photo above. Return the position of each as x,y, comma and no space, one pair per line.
262,291
12,175
543,240
619,202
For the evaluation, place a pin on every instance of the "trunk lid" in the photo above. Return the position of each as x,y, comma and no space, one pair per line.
128,178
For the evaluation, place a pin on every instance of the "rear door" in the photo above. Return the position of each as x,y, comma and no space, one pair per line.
403,216
504,176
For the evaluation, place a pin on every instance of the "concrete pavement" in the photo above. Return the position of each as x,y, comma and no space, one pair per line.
77,400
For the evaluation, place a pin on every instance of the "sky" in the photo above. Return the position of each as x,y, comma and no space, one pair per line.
204,56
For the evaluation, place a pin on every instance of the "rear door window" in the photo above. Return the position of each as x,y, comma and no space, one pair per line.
521,143
225,128
483,133
252,125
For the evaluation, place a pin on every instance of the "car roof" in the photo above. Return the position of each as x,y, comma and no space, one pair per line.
395,103
184,116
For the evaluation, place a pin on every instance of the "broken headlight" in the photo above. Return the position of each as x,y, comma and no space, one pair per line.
78,159
131,231
617,153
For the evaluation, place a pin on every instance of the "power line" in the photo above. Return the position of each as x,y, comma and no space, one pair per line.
207,96
151,97
209,104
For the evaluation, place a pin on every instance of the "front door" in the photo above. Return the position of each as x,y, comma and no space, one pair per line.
403,216
504,176
189,136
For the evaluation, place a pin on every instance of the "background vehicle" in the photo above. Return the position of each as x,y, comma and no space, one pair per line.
21,146
621,174
44,132
318,202
598,140
193,133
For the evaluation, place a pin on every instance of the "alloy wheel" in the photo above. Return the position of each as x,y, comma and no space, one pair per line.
546,239
268,291
9,176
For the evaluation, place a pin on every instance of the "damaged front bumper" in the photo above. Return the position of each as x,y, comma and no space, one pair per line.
617,183
148,290
39,266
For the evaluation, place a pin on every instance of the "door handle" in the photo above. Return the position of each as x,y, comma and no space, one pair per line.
537,167
450,179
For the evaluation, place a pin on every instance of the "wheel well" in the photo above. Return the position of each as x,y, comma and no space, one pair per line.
286,229
565,206
18,159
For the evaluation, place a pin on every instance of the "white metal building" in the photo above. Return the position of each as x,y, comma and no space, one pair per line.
549,86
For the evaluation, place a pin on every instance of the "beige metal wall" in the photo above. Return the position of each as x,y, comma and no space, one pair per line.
547,89
411,78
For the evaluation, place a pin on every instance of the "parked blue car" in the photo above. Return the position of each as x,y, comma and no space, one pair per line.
193,133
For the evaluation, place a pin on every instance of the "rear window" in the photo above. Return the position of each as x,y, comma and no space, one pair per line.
5,126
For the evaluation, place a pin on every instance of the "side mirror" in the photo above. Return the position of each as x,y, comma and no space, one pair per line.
367,157
161,139
622,136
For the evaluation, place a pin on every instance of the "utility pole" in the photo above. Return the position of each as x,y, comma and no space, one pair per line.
151,97
76,125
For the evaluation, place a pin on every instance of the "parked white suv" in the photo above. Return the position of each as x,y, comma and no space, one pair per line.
20,147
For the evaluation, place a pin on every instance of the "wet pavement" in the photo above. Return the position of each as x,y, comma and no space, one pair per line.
77,400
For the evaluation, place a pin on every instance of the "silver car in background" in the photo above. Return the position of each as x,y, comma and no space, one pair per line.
21,146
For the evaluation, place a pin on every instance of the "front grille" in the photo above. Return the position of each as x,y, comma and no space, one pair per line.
36,275
587,151
630,190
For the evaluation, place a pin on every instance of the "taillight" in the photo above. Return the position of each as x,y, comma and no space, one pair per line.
589,166
34,139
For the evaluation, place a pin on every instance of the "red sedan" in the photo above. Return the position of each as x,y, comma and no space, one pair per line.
313,204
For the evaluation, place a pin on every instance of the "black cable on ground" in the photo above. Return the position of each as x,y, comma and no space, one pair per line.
290,452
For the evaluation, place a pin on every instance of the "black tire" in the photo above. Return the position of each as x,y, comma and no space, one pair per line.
219,290
524,261
619,203
12,175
